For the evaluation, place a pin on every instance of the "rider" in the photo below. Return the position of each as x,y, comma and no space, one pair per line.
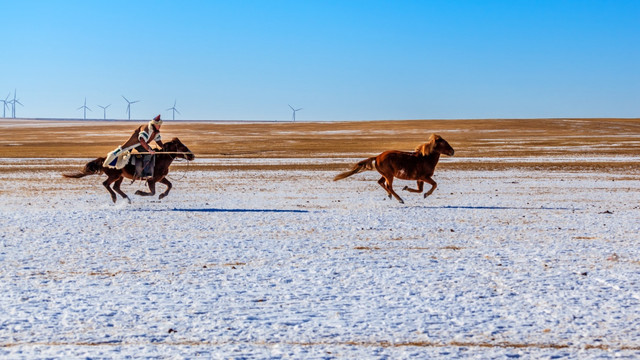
145,134
139,140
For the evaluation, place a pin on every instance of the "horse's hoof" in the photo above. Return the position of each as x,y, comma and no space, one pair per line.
405,188
401,202
162,196
138,192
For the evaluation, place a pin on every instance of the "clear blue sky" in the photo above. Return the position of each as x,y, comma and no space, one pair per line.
338,60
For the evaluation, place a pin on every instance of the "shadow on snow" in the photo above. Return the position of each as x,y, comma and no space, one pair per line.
214,210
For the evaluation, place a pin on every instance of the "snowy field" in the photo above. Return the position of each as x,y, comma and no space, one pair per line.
275,264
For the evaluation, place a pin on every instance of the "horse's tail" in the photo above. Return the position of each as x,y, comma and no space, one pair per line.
363,165
91,168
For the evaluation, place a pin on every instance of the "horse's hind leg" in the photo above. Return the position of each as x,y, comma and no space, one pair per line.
116,187
169,186
152,189
418,190
383,182
389,188
433,184
107,185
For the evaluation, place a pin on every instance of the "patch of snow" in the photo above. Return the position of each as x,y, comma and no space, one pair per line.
289,264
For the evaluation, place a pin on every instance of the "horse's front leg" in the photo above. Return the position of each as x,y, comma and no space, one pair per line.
152,189
418,190
169,186
116,187
433,186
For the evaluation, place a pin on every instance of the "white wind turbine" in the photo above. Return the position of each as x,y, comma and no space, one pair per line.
13,104
294,112
174,109
5,106
104,110
129,105
85,108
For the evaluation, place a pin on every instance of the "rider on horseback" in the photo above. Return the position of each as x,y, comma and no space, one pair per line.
139,140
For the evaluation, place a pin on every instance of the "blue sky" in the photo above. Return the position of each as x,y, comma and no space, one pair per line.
338,60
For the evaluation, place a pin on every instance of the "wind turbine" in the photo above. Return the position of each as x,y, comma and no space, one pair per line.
294,112
129,105
5,106
13,104
85,108
104,109
174,109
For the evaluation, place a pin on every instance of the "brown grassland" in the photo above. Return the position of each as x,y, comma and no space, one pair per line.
531,140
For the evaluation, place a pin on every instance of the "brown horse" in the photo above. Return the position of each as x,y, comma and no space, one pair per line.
174,149
418,165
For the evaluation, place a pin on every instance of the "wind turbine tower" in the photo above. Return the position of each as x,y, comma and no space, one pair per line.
129,105
85,108
104,110
294,112
174,109
13,104
5,106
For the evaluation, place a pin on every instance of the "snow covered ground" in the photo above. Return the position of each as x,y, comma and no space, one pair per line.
275,264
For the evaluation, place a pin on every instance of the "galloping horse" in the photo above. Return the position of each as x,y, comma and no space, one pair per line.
173,149
418,165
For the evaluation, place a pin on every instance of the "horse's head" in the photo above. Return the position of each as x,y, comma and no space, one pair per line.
436,144
175,145
442,146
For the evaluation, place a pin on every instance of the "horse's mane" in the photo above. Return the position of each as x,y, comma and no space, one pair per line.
427,148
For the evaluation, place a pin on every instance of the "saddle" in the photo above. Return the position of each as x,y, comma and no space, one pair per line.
144,165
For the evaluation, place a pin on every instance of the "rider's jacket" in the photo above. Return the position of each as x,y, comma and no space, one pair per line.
142,132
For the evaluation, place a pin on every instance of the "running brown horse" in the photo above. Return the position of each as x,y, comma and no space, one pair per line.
418,165
173,149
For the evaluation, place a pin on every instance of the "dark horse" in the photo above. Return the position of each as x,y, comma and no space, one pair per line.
173,149
418,165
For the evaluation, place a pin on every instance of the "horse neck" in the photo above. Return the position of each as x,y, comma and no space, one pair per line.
166,157
432,159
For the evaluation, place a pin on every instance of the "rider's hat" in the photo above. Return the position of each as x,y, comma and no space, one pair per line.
156,121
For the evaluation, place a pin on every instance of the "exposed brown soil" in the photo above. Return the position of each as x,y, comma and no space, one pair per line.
490,138
383,344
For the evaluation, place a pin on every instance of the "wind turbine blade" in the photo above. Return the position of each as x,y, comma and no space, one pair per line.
291,107
178,111
133,102
125,99
298,109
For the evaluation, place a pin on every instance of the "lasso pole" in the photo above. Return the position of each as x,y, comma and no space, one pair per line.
162,152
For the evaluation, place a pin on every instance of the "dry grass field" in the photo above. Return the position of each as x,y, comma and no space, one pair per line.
530,140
